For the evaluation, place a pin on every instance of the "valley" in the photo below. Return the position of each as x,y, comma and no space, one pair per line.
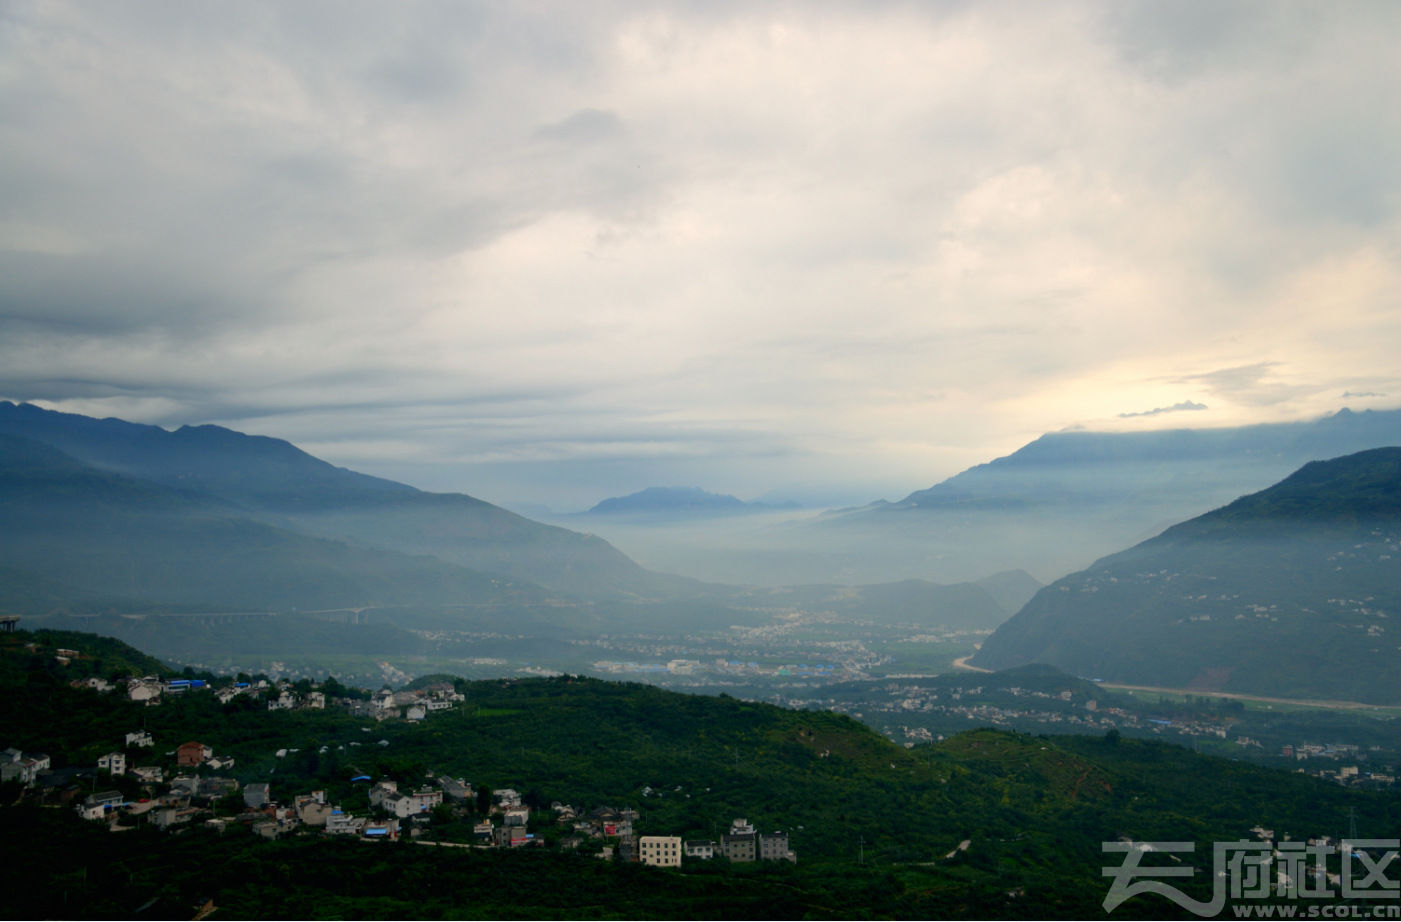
326,635
682,460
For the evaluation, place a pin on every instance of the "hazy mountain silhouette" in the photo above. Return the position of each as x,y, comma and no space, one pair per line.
678,502
275,482
1064,500
111,516
1291,591
79,538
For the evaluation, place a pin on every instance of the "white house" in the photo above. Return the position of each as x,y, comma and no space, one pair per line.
23,767
699,848
96,806
382,791
113,762
339,823
406,805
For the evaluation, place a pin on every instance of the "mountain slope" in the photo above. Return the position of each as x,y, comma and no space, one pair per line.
1011,589
272,480
255,471
1092,467
476,534
1292,591
79,537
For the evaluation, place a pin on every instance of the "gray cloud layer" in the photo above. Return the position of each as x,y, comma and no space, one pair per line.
856,245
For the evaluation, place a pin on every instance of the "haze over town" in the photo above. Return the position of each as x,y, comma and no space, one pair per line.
814,252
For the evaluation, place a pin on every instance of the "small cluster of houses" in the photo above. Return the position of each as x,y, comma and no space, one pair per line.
26,767
410,704
399,812
147,689
23,767
116,762
187,755
173,807
280,697
150,689
187,797
405,809
742,843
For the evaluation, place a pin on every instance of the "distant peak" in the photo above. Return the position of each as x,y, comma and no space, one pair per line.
676,500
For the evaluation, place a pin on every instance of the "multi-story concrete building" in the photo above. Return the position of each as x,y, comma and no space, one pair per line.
739,847
774,847
660,851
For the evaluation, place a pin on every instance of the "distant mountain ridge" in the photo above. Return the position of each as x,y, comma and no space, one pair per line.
157,536
252,470
1265,447
78,536
270,481
679,501
1064,500
1293,591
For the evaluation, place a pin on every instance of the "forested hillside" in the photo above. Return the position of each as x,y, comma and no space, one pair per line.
878,829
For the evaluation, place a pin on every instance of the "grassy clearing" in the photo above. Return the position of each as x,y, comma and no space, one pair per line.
1254,704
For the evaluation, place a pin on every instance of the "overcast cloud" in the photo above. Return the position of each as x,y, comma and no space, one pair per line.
554,252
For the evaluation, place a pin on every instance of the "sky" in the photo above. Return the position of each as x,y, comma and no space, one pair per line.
546,253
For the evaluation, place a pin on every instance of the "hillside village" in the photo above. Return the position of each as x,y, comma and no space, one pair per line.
280,773
185,785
